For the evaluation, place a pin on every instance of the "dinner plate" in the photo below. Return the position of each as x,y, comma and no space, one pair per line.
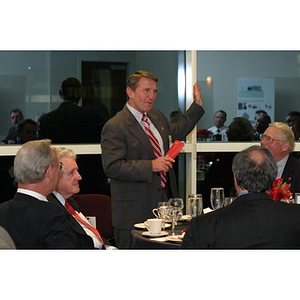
174,238
142,225
147,233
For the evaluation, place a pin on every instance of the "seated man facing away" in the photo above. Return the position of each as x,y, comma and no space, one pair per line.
67,186
253,220
31,221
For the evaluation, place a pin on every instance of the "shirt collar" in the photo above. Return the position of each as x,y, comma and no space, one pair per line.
32,194
60,198
138,115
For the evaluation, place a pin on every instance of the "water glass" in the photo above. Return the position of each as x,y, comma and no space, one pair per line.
194,205
217,198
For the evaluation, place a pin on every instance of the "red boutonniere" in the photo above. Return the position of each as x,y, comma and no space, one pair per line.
280,190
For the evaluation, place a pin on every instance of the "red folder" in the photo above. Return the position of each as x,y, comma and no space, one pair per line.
175,149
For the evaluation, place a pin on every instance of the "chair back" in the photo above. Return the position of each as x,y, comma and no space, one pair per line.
99,206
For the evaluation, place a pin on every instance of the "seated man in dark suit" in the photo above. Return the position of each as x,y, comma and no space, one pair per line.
67,186
253,220
31,221
280,141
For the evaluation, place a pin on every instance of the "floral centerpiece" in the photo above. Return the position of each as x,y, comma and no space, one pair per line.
203,134
280,191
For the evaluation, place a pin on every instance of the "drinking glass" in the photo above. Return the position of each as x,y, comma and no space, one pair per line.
194,205
175,213
217,198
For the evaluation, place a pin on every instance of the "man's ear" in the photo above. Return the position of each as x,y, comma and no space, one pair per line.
129,92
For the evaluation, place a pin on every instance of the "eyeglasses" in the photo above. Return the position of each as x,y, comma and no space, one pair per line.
268,138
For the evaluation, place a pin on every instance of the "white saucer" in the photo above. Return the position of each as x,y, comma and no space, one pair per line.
142,225
147,233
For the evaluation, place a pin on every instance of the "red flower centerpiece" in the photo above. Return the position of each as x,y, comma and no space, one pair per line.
203,134
280,191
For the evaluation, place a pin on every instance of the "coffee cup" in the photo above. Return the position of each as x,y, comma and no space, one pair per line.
153,225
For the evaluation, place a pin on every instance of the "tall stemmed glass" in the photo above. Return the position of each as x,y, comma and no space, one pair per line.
217,198
176,207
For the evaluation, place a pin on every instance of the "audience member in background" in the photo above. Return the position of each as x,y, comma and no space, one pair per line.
262,121
175,116
279,140
219,130
240,130
71,123
253,220
31,221
137,174
67,186
26,131
291,117
296,129
220,172
16,116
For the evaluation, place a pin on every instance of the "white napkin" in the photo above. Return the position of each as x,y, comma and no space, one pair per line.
207,210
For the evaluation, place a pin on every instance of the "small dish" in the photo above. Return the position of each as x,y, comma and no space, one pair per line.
147,233
175,238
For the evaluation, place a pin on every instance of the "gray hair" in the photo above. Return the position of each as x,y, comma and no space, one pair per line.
287,133
64,152
32,160
255,169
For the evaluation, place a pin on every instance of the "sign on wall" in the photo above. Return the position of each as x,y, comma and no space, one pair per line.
255,94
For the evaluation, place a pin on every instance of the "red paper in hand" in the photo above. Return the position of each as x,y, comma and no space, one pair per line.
175,149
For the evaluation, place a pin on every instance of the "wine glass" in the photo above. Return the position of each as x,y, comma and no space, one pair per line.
217,198
175,213
162,212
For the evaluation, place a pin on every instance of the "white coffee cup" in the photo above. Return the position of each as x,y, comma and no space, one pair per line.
153,225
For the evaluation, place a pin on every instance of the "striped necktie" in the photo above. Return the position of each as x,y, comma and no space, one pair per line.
72,211
156,148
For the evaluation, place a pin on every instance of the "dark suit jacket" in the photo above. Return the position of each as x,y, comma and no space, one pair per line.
84,240
251,221
35,224
126,157
70,123
291,173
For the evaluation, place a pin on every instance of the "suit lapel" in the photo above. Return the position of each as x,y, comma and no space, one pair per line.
138,131
288,171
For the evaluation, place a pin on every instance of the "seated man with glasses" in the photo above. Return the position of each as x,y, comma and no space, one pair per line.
279,140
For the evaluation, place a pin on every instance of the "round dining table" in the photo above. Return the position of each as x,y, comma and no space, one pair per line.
140,241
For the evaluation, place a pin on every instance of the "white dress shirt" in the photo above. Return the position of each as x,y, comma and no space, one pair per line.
281,165
222,131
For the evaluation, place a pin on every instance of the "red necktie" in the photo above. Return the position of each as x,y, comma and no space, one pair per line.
75,214
156,148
